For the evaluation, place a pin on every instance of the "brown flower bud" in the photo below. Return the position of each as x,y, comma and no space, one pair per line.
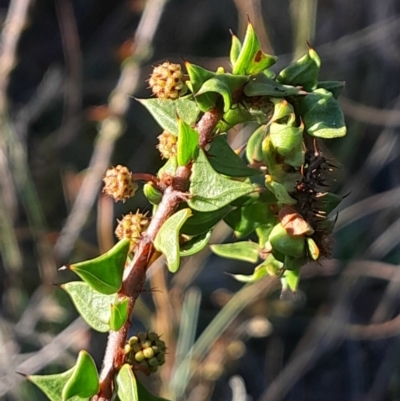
167,145
131,226
166,81
119,183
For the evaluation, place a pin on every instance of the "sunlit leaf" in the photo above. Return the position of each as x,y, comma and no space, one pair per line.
195,245
246,251
104,273
84,381
252,59
166,111
303,72
91,305
126,385
211,191
254,145
335,87
119,313
167,239
322,115
188,140
235,50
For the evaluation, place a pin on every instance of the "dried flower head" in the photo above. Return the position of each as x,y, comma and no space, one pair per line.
131,226
166,81
119,183
167,144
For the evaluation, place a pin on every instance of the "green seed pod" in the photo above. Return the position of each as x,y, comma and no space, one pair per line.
139,356
313,249
153,195
285,243
155,349
148,353
136,347
146,344
127,349
153,362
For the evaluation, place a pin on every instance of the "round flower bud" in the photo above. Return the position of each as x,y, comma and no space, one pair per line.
131,226
152,336
148,353
166,81
142,337
133,340
139,356
119,183
167,144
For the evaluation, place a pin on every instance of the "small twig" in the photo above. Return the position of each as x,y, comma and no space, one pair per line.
135,274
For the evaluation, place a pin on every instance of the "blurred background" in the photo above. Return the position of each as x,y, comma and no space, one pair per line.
68,65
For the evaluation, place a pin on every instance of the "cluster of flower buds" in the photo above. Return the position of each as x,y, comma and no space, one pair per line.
167,144
119,183
131,226
145,350
166,81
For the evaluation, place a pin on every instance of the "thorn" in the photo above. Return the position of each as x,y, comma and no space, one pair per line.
65,267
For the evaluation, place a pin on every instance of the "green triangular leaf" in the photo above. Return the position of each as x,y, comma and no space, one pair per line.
167,239
52,385
91,305
195,245
202,222
235,50
236,115
252,59
322,115
261,85
254,151
210,190
279,191
55,385
126,385
304,72
84,381
246,251
197,75
259,272
166,111
104,273
188,140
119,313
225,85
225,161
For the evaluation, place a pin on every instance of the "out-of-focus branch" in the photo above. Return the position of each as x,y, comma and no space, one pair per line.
13,26
111,128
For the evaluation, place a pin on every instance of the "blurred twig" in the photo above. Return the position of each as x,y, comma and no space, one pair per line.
111,128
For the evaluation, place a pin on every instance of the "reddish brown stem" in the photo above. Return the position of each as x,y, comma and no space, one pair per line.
135,273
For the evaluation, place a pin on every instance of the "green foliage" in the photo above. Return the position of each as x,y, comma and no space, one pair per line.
77,384
275,200
104,273
167,239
